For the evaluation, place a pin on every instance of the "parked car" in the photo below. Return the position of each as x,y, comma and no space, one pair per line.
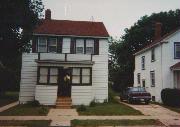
135,94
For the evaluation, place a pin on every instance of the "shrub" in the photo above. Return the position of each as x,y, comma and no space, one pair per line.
43,110
81,108
34,103
170,97
92,104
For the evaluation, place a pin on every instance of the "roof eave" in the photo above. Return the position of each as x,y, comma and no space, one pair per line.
38,34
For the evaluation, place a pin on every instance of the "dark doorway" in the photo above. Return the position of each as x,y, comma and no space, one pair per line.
64,82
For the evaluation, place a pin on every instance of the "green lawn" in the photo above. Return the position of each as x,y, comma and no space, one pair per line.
94,123
27,123
8,98
26,110
110,108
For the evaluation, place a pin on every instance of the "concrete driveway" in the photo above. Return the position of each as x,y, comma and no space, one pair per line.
166,116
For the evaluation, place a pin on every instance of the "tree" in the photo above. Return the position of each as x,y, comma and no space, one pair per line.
18,18
135,38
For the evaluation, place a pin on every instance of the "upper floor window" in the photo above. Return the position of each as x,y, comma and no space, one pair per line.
139,78
143,62
80,46
153,55
89,46
52,45
42,44
177,50
152,78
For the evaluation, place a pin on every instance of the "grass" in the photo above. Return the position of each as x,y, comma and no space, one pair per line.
26,110
94,123
8,98
110,109
27,123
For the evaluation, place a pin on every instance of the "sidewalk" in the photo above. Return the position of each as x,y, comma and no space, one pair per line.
8,106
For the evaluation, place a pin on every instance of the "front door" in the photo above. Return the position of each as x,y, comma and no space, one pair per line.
64,82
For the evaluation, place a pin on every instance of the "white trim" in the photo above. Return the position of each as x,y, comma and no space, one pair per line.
72,36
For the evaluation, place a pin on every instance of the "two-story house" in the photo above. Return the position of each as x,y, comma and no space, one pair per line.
69,59
157,66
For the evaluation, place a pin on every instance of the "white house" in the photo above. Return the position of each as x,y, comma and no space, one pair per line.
69,60
157,66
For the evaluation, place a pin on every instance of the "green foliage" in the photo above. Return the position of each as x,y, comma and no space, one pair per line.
43,110
93,103
81,108
170,97
121,65
18,18
34,103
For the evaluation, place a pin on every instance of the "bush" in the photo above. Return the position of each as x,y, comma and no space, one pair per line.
34,103
81,108
170,97
43,110
92,104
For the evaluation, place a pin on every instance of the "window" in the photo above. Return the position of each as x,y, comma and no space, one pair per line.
53,77
86,76
152,78
89,46
177,50
152,55
81,76
47,75
66,45
139,78
76,76
80,46
52,46
143,83
43,75
42,44
143,62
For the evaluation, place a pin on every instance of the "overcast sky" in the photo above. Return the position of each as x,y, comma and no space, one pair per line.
116,14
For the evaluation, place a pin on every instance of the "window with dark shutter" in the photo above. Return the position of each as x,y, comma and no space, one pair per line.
96,47
72,46
177,50
59,45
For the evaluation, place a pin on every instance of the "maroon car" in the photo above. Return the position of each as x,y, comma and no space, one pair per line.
135,94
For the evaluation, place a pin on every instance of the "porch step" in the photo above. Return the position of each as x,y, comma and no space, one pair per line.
63,102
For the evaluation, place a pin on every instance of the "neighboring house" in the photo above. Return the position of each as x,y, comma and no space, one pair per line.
157,66
66,53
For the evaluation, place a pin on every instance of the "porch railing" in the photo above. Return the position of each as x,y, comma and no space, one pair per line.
64,57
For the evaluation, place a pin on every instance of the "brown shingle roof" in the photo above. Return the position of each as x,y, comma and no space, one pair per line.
76,28
175,66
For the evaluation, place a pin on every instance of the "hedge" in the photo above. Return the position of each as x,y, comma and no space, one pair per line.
170,97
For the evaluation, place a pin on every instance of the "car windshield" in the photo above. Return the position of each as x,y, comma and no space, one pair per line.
137,89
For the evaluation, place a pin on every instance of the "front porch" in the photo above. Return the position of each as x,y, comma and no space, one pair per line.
176,75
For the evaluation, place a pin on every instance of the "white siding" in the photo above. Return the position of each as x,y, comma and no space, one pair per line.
46,94
28,77
81,95
164,55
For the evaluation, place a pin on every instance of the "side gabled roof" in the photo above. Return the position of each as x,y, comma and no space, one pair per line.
73,28
156,42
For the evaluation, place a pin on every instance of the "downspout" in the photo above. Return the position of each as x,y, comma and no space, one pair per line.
161,67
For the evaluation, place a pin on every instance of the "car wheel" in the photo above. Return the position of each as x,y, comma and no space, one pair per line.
147,102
